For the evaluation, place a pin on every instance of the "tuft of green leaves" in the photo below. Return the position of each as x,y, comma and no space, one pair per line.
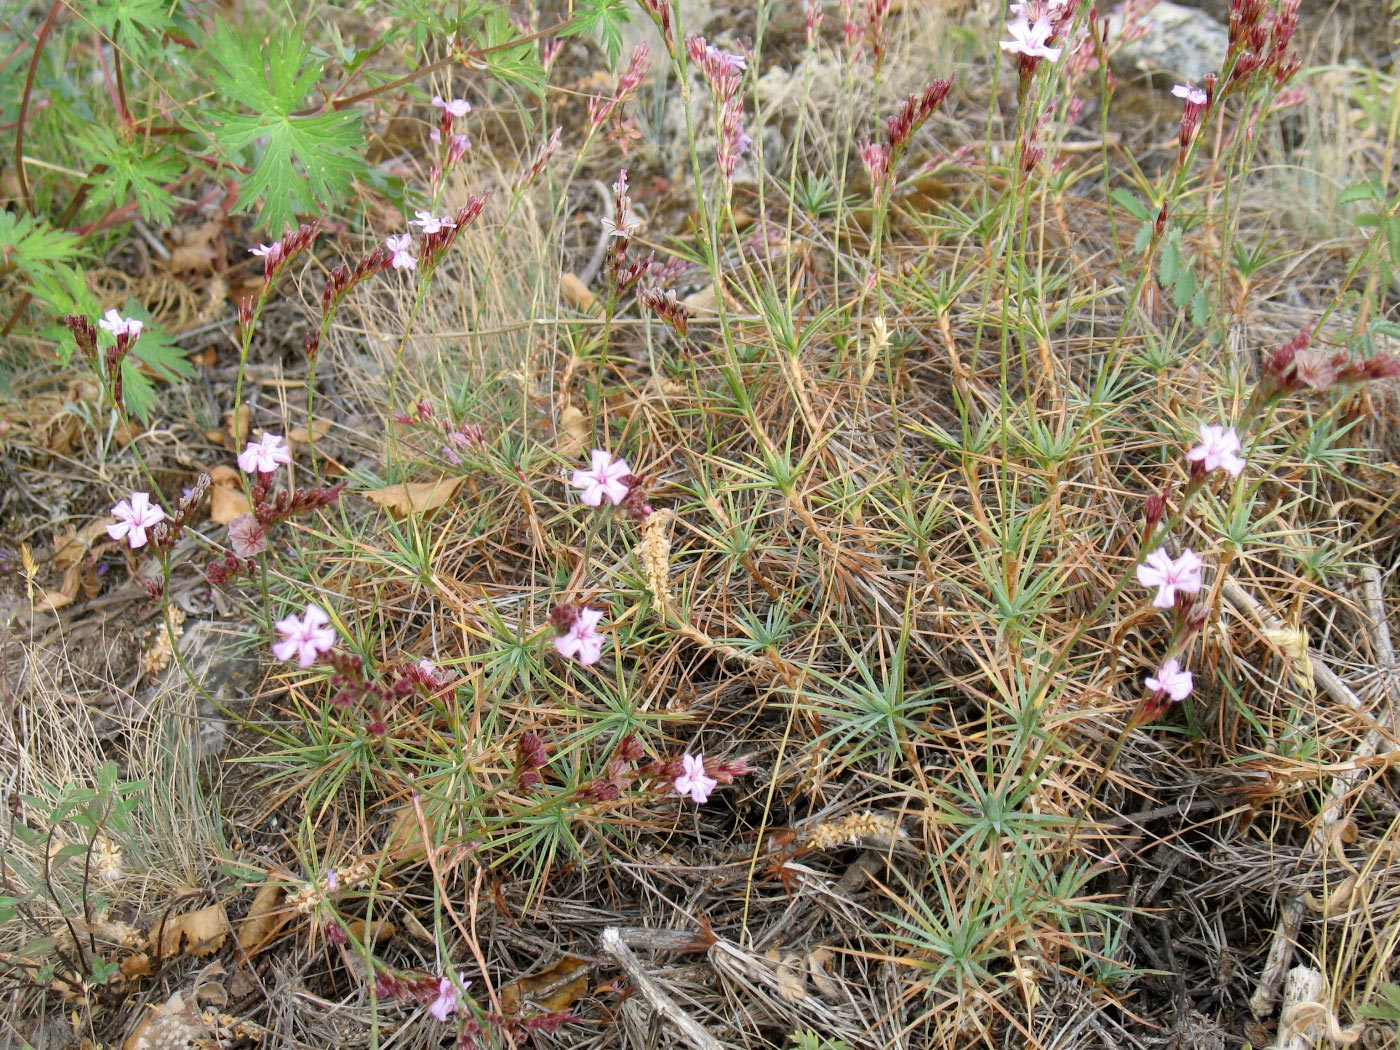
302,162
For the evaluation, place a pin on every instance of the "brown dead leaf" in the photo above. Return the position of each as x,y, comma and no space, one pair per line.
405,839
573,432
226,498
553,990
138,965
363,933
265,918
197,249
414,497
705,301
71,545
319,428
199,933
576,293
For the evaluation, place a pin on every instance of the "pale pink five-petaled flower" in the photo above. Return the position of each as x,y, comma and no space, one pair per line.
604,480
445,1005
1031,39
1172,680
693,781
305,637
582,641
1219,450
262,251
430,222
1170,575
457,107
1189,92
119,325
134,516
402,258
264,455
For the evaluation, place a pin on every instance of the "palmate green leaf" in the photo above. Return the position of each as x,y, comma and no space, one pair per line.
604,19
300,163
132,173
134,25
32,246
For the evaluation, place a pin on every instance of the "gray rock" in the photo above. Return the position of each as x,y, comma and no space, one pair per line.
1181,43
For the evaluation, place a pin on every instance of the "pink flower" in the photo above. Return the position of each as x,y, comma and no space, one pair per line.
134,516
1189,92
625,227
264,455
457,107
264,250
402,258
246,536
119,325
1172,680
1031,38
430,222
304,638
1168,576
445,1005
1219,450
693,781
582,641
604,481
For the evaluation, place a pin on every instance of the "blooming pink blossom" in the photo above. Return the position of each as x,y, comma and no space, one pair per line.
262,251
456,107
264,455
134,516
1219,450
582,641
693,781
1031,39
431,223
626,226
304,638
402,257
1169,576
604,481
1190,93
247,536
445,1005
1172,680
119,325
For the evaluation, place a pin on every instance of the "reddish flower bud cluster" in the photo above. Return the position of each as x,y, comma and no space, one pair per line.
602,107
881,159
542,159
1259,48
437,243
279,254
226,569
341,278
660,12
530,757
725,72
1293,366
917,108
456,437
666,306
621,769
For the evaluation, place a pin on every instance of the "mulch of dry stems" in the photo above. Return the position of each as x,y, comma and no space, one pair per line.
794,876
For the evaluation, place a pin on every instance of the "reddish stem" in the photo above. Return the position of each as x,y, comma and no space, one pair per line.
39,39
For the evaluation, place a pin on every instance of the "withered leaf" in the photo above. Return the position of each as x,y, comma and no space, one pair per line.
199,933
551,991
415,497
265,918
